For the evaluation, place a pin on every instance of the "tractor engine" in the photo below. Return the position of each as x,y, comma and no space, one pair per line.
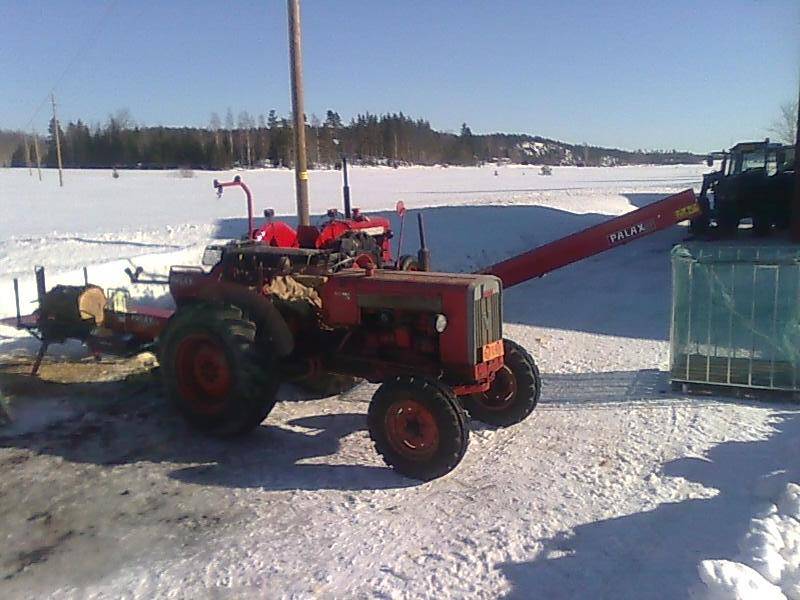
343,240
446,325
342,237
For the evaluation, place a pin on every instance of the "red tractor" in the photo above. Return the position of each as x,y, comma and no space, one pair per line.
265,314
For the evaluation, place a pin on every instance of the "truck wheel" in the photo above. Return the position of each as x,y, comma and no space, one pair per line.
214,372
727,220
418,427
514,392
700,225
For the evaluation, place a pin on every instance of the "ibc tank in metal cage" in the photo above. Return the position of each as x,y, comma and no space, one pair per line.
736,315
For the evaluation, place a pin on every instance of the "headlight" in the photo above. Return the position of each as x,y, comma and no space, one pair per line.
440,323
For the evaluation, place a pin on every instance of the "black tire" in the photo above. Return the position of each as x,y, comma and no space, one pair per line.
514,393
431,441
762,223
408,262
323,385
700,225
214,372
727,219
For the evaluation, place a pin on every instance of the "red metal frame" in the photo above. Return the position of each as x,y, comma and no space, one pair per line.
610,234
237,182
145,323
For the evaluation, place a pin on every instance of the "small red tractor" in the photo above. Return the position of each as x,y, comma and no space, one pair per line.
281,305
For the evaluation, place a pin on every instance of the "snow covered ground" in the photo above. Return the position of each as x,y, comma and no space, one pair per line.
616,487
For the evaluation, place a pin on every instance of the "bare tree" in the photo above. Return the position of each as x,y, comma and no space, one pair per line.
245,125
229,125
784,128
215,124
315,125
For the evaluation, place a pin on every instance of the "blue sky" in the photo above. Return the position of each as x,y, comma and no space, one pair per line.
695,75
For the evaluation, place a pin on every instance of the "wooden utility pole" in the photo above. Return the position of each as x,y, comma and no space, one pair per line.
27,154
38,157
58,143
298,110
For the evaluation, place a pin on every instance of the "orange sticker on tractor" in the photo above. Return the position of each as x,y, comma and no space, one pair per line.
492,350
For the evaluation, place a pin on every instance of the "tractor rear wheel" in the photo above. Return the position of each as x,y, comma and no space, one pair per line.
418,427
514,392
214,372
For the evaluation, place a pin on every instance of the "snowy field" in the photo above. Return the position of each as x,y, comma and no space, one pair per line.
616,487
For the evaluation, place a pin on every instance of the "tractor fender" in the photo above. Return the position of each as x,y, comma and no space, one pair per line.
273,332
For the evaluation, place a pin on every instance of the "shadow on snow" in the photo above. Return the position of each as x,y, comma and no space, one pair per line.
654,554
130,421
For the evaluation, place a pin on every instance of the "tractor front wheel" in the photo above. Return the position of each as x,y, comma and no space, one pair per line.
214,372
418,427
408,262
728,219
514,392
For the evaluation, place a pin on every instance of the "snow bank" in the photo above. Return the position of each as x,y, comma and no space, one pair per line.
768,563
726,580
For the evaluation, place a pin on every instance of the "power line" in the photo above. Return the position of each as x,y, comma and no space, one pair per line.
56,127
90,40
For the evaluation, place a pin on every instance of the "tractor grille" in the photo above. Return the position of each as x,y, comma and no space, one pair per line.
488,322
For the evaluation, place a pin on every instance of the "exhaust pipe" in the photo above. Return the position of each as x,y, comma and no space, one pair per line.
424,255
346,189
16,301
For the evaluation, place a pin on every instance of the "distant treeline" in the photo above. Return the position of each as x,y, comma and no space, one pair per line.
390,139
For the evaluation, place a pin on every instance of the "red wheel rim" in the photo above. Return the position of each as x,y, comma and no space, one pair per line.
412,430
502,392
203,373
